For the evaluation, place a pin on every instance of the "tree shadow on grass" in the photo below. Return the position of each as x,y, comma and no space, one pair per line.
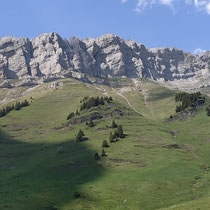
36,176
160,95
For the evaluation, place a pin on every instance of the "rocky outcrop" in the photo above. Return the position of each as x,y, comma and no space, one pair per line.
49,57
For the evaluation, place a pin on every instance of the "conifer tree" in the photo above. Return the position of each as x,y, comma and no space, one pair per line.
79,136
120,131
111,137
70,116
24,104
105,144
17,106
114,125
115,135
101,101
96,156
103,154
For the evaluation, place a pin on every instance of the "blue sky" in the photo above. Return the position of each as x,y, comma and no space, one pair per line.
184,24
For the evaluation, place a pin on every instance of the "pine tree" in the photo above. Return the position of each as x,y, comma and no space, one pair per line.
70,116
24,104
96,156
2,112
101,101
103,154
114,125
17,106
120,131
115,135
79,136
105,144
111,137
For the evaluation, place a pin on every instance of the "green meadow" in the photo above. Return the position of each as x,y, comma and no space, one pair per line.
144,170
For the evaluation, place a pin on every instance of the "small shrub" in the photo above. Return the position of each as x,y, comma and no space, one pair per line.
91,123
60,150
77,195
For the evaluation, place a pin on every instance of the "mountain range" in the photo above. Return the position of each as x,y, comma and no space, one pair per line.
50,56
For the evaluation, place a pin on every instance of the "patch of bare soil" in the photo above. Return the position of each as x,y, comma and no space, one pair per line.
101,129
208,141
172,146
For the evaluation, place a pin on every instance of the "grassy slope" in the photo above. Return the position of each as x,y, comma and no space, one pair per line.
138,173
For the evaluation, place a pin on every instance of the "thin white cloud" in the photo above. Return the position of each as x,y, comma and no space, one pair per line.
201,5
198,51
142,4
208,8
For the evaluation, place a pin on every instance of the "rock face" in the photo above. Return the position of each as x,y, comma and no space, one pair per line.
49,56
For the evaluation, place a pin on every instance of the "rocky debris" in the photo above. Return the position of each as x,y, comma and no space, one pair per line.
27,82
5,84
51,57
56,84
93,116
187,113
172,146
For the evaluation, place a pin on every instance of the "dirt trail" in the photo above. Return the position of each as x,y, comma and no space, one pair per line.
190,149
12,94
138,86
128,102
8,98
102,89
205,170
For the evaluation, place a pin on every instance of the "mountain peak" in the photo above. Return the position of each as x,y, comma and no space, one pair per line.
109,55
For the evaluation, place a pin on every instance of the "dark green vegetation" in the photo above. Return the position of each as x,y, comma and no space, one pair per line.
9,108
159,164
89,102
189,100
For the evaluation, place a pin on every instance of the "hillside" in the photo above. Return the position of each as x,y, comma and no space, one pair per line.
160,164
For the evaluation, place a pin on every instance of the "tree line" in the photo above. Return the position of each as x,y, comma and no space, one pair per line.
88,102
17,106
188,100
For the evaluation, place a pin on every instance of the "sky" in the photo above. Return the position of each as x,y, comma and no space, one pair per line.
183,24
